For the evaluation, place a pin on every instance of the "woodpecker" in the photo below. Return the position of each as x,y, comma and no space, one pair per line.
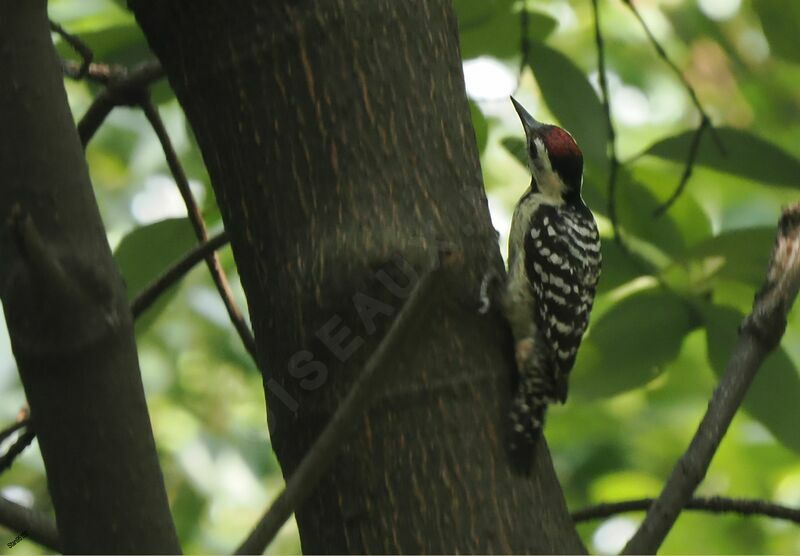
553,268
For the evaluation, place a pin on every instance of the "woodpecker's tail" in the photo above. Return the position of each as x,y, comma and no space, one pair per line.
526,420
528,410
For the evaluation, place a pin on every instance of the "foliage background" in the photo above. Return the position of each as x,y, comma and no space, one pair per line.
666,315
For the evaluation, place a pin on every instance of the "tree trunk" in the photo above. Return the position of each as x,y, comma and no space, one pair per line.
338,142
67,313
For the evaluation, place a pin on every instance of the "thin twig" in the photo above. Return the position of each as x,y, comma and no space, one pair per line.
524,42
196,218
11,429
705,120
99,73
325,449
760,333
676,70
156,288
613,161
37,526
78,46
124,89
694,148
714,504
23,441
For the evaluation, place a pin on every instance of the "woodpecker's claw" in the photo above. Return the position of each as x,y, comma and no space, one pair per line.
524,352
485,296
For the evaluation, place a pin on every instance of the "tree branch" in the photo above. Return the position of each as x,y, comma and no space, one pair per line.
11,429
99,73
694,148
705,120
144,300
124,88
714,504
63,301
78,46
174,273
23,441
319,457
679,74
613,161
196,218
524,42
759,334
36,525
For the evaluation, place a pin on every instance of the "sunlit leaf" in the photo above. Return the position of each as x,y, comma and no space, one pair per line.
773,395
624,485
86,16
571,98
145,253
629,345
745,155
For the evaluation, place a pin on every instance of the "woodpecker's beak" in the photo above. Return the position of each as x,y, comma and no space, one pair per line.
530,125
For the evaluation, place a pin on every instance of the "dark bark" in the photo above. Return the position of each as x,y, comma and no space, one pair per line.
337,137
66,310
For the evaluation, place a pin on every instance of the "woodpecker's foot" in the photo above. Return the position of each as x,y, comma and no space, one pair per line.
487,291
524,352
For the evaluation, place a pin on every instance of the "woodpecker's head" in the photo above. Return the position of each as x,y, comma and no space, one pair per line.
555,160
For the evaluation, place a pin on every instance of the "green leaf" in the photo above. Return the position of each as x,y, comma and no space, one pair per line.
661,178
745,155
516,147
635,207
480,126
146,252
89,15
493,28
120,44
773,395
630,344
188,508
540,25
475,13
744,253
571,99
781,23
618,267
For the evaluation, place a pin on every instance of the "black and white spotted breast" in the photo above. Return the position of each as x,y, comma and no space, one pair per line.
562,261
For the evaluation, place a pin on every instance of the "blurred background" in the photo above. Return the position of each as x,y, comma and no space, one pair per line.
666,314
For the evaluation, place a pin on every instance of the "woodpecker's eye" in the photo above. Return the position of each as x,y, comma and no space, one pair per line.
538,152
533,151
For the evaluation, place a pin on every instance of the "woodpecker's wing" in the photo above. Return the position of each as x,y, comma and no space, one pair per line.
562,260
